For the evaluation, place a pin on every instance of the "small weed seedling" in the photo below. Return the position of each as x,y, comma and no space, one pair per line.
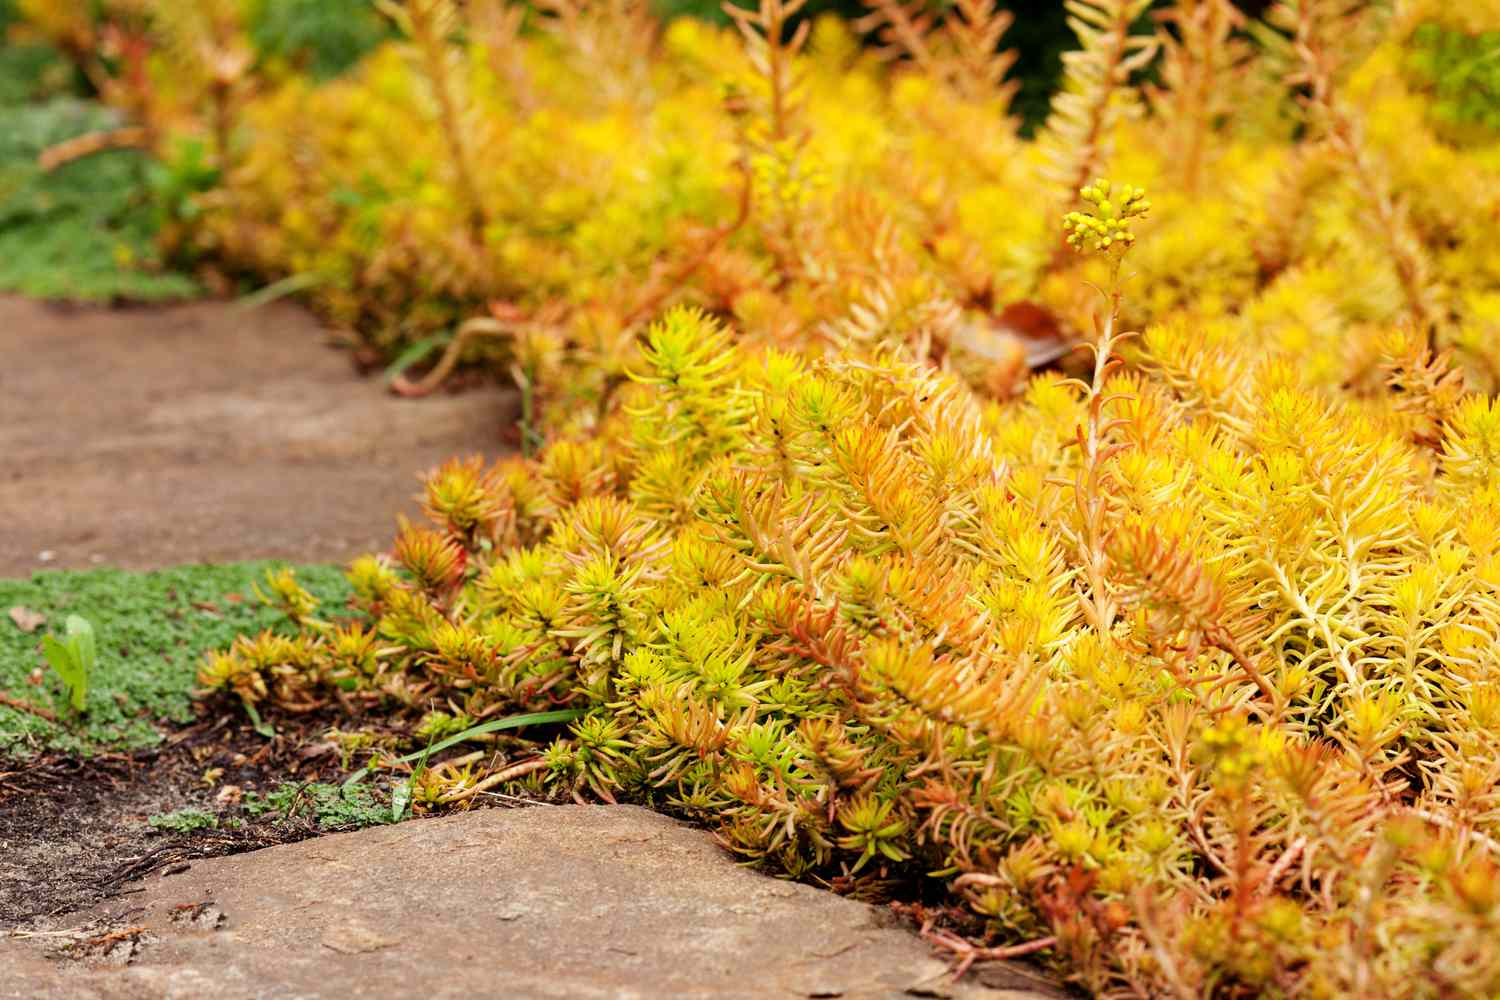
73,657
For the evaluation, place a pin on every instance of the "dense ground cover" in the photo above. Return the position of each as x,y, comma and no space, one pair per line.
86,231
150,629
861,524
571,187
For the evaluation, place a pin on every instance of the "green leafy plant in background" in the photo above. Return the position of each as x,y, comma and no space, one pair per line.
1463,71
322,37
108,225
73,658
32,72
175,180
85,231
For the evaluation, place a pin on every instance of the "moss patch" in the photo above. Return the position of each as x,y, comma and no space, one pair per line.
330,807
184,821
152,628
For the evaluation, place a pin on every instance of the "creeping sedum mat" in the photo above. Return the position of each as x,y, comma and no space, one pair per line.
1210,705
908,499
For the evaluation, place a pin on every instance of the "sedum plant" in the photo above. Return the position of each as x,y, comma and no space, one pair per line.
1133,580
1183,680
528,190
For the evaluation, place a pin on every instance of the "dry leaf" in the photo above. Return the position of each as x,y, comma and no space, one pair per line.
27,620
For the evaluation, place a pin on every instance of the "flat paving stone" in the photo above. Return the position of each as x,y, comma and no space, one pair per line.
150,436
546,901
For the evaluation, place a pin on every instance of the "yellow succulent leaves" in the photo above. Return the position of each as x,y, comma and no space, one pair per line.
840,624
1181,655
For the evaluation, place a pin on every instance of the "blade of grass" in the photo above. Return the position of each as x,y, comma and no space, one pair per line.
290,285
414,355
256,723
401,795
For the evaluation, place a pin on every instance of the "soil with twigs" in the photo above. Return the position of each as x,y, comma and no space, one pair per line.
74,832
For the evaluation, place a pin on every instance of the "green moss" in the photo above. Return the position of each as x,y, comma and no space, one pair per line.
1463,73
32,72
325,37
184,821
152,628
333,807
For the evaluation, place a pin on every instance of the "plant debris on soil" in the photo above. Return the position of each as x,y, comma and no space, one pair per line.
74,831
136,787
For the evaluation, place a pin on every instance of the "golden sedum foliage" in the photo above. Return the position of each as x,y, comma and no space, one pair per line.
1182,671
836,610
585,167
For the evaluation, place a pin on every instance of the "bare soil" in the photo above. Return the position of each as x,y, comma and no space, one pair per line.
151,436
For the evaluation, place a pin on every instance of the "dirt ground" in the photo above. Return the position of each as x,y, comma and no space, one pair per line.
74,832
143,437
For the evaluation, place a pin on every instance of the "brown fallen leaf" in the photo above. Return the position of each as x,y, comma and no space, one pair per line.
1022,338
317,750
26,619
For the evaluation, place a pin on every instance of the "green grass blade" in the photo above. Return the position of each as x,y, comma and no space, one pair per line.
290,285
414,354
256,723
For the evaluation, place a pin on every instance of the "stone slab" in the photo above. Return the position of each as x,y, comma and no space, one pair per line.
547,901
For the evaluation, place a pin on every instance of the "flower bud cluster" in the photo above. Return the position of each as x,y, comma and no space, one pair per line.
1107,227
